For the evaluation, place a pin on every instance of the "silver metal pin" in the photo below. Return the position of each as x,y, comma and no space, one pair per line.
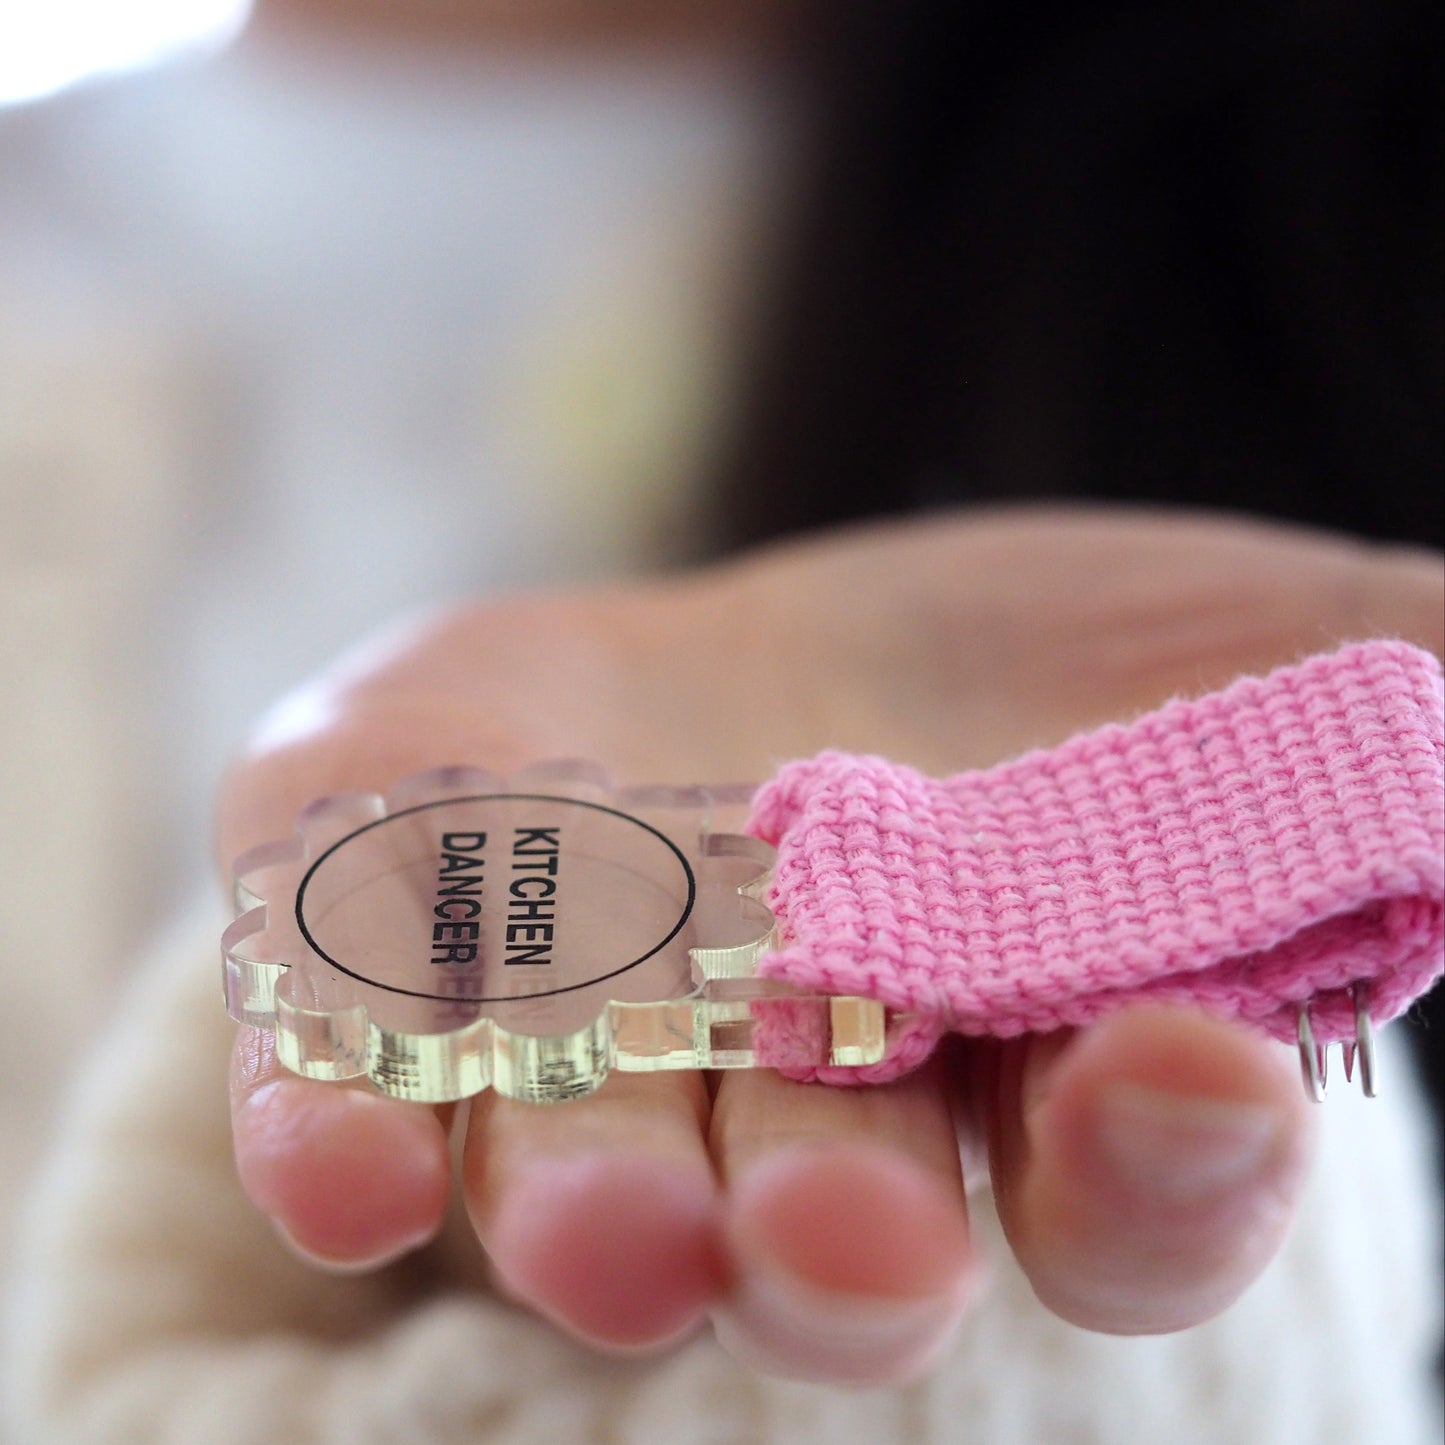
1365,1039
1314,1063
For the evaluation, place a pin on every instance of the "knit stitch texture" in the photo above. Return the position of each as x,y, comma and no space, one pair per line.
1277,843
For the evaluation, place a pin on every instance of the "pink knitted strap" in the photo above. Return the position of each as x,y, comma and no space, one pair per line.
1277,843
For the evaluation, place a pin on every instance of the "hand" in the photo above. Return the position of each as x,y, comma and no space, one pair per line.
1145,1169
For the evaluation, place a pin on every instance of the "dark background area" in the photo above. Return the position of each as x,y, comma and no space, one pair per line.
1129,252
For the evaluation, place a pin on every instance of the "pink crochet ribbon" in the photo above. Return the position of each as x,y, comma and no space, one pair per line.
1277,843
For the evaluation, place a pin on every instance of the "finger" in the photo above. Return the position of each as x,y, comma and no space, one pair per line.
847,1226
602,1213
1147,1169
497,686
351,1179
317,743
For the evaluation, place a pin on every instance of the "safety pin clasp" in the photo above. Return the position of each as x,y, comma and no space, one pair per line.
1314,1056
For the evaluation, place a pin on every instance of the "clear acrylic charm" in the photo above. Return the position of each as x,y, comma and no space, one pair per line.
529,935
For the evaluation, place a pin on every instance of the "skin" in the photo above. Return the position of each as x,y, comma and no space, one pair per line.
511,27
1145,1169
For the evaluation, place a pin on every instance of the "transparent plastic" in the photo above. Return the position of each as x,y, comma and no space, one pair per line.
530,935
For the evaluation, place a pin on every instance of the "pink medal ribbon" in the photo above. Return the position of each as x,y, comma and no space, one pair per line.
1273,853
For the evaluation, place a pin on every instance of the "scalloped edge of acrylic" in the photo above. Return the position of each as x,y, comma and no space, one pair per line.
715,1026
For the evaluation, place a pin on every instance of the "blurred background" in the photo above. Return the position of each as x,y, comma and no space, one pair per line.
318,311
309,317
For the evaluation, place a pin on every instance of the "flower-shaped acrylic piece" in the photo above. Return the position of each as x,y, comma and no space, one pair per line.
529,935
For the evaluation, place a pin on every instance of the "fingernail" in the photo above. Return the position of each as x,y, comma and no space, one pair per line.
363,1176
775,1321
364,1265
1183,1149
621,1250
865,1289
